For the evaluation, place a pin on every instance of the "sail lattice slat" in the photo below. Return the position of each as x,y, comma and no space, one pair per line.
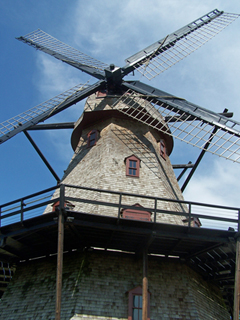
44,110
165,117
180,44
48,44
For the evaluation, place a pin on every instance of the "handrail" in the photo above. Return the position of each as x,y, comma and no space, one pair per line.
191,210
29,196
22,210
151,197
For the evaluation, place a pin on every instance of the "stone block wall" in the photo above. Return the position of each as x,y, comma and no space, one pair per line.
96,285
102,166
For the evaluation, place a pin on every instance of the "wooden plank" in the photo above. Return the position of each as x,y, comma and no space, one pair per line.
237,283
60,256
145,286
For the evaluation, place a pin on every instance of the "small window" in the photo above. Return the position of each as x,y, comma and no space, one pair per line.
92,138
67,205
102,94
163,151
134,214
135,304
137,307
194,222
132,166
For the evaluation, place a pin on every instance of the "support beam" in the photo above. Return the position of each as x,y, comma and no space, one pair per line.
183,166
190,165
60,255
53,126
237,283
215,129
145,285
205,250
42,156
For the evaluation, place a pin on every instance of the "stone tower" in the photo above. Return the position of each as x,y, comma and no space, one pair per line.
114,152
120,281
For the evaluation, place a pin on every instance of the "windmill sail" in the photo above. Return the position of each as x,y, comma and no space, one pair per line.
166,52
45,110
59,50
186,121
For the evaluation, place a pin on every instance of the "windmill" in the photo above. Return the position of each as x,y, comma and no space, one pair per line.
166,114
187,121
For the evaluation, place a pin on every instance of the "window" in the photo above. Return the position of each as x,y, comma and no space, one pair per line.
135,304
134,214
67,205
137,307
163,151
102,94
132,166
194,222
92,138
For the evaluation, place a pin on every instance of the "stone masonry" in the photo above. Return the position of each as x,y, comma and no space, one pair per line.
103,166
96,285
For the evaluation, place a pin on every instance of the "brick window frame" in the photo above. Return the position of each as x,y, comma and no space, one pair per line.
163,149
134,312
132,166
135,214
92,138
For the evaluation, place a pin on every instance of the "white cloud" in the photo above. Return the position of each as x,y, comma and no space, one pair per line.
217,183
54,76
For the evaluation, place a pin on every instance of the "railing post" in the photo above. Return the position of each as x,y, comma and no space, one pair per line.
60,253
155,210
22,204
119,206
62,197
189,214
237,283
238,220
145,285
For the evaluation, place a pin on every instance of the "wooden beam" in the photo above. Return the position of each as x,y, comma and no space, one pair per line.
207,144
145,285
60,255
52,126
237,283
42,156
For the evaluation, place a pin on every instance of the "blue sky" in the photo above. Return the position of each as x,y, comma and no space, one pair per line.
111,31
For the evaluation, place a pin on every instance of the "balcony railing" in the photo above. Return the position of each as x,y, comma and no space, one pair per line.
89,200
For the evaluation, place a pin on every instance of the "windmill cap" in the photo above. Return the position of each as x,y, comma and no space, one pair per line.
99,107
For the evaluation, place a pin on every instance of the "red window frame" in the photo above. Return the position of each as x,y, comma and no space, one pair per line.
194,222
102,93
92,138
132,294
67,205
134,214
163,151
132,166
